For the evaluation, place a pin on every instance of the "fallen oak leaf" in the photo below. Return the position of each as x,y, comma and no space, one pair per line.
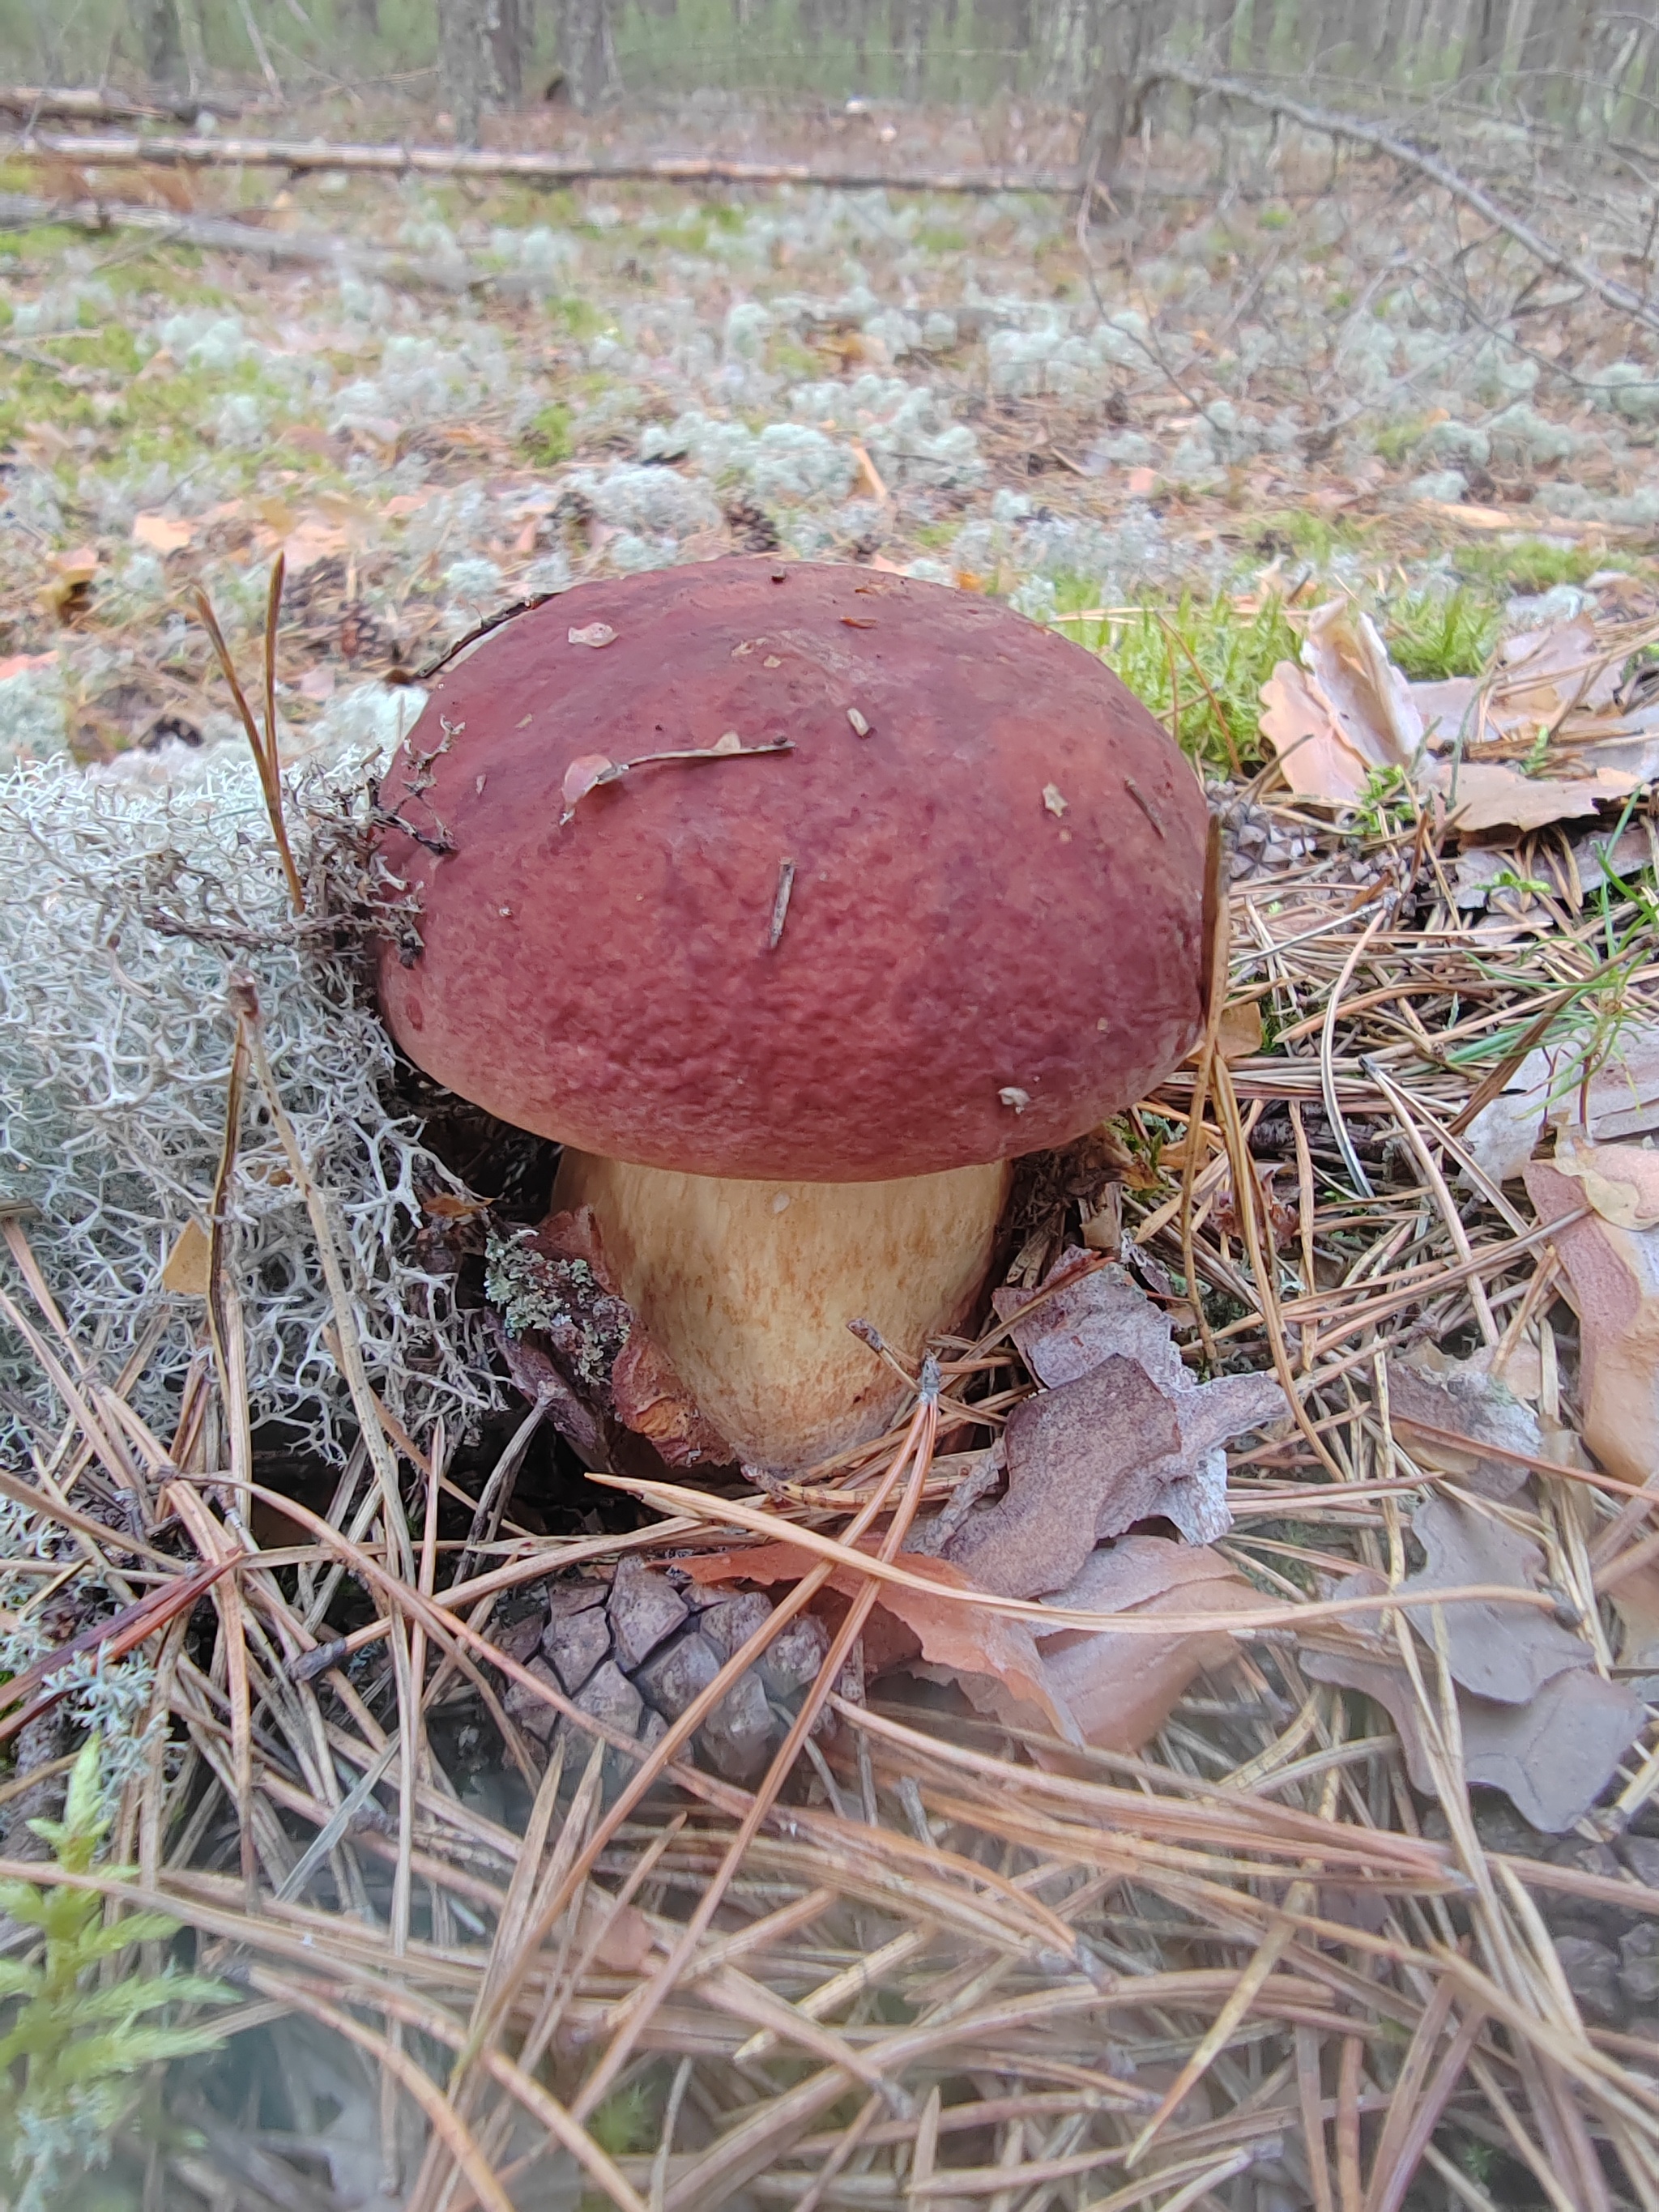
1551,1757
1099,1312
1076,1456
1620,1182
1498,1651
1120,1689
1613,1280
1491,795
1461,1399
1345,712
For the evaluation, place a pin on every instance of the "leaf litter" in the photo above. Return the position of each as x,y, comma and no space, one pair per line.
932,1899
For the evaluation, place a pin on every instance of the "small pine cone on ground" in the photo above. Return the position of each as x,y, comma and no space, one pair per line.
635,1648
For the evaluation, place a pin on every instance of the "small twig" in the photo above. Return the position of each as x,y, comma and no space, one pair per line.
780,903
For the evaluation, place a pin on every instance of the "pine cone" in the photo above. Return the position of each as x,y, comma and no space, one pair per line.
635,1648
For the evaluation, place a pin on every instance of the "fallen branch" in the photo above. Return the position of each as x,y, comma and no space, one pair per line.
75,105
1473,196
304,155
23,211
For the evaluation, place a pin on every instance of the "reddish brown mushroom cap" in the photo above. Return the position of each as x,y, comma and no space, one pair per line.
990,904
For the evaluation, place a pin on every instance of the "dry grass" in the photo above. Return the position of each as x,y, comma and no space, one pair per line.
955,1967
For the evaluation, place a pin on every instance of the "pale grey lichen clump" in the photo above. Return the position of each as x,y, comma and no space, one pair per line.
125,905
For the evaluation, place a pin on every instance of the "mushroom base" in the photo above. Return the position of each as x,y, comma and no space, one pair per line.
748,1287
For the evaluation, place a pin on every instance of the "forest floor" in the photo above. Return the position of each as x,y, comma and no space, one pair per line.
1356,1910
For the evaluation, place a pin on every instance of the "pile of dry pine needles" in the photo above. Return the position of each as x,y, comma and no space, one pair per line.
1243,1969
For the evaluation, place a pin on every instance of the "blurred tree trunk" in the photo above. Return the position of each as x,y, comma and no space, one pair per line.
508,45
586,51
162,51
908,29
1122,38
466,74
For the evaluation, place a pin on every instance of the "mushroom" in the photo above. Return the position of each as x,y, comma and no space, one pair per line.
795,902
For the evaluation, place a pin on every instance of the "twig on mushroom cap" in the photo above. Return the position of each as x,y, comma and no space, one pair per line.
591,770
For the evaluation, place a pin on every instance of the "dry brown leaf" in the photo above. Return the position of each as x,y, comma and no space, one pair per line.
1120,1689
1544,672
1351,671
1621,1181
627,1940
1314,757
185,1272
1444,708
1551,1757
1238,1033
1080,1459
585,774
1489,795
1613,1276
162,533
1546,1089
1459,1397
1102,1315
1635,1598
1498,1651
311,540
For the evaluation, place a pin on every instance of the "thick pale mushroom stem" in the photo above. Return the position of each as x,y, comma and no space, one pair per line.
748,1288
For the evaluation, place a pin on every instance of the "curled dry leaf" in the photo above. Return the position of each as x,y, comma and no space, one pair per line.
1345,712
1238,1033
585,774
1102,1315
1121,1688
1613,1278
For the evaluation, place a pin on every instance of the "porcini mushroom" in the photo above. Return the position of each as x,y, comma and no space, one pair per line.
794,901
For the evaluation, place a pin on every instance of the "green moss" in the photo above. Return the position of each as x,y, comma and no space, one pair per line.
788,357
579,316
626,2123
1399,440
1200,665
1433,635
1534,565
942,238
1311,536
1274,218
548,438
